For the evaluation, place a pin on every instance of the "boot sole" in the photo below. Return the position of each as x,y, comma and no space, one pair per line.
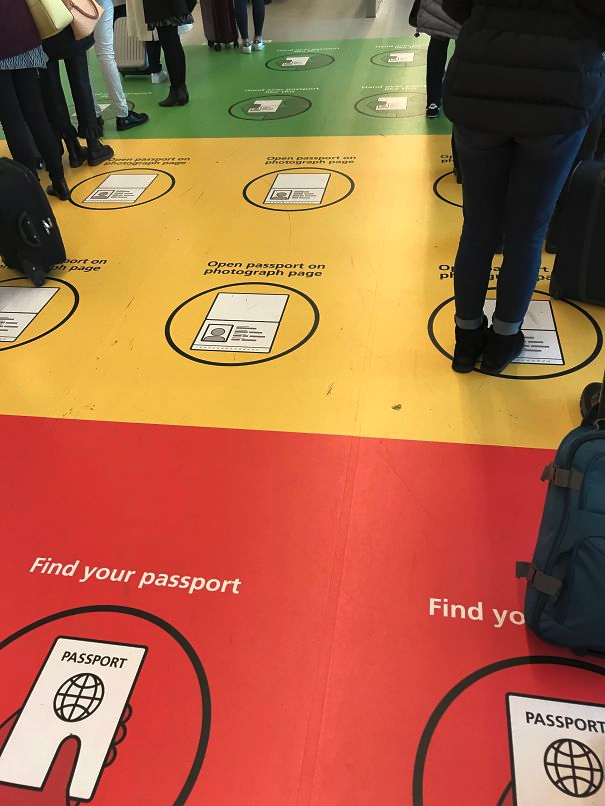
462,369
500,370
100,161
132,126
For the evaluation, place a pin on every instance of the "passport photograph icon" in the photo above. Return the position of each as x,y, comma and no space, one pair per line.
80,692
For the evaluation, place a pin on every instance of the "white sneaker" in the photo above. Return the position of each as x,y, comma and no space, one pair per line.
258,44
246,46
159,78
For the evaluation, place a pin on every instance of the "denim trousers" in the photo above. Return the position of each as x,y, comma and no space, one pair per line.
510,184
258,13
106,57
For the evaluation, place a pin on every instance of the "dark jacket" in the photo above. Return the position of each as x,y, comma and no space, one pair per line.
157,10
64,45
433,20
526,67
18,34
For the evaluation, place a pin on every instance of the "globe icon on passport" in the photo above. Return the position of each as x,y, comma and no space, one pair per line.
573,768
79,697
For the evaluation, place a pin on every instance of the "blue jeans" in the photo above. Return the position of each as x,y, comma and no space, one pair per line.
511,185
258,13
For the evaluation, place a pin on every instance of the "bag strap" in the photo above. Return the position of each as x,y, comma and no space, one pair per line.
560,477
94,16
539,581
600,421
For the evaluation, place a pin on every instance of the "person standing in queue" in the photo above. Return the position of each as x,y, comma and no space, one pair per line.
165,16
525,82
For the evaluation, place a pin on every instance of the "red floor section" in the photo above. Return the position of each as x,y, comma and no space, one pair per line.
291,656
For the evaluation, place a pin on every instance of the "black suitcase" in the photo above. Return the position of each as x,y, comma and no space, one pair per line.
218,17
579,270
30,239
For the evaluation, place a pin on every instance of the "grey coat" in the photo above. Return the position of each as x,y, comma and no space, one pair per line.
433,20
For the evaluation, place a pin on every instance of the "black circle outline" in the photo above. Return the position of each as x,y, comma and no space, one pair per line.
590,752
303,69
293,170
124,206
67,316
262,120
379,95
592,357
436,184
402,49
176,311
187,648
73,680
464,684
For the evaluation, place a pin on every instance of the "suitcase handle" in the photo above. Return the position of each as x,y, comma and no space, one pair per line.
27,230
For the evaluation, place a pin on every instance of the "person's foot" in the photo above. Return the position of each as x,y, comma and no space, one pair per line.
159,78
589,403
178,96
59,189
131,120
76,152
433,111
469,347
258,43
500,351
98,153
246,46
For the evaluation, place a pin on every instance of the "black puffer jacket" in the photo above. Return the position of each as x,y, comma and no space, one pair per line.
526,67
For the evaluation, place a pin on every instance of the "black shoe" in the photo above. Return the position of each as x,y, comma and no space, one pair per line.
98,153
469,346
77,154
131,120
59,189
500,351
433,111
589,403
178,96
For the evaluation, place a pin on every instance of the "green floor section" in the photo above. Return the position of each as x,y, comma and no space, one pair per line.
349,87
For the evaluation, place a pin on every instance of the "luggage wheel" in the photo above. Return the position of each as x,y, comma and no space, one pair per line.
217,47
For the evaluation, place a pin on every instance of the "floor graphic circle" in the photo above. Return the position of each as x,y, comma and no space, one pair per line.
241,324
448,189
298,62
298,189
30,313
122,189
561,337
504,708
392,105
399,58
271,107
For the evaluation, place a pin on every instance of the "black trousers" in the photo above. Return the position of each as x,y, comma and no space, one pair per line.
56,105
435,69
174,54
22,108
154,49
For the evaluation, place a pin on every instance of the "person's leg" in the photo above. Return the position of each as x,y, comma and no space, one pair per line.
55,103
107,61
175,64
79,81
118,13
258,16
241,16
14,124
539,171
435,69
154,57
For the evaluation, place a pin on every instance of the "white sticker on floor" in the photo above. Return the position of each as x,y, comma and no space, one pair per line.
19,307
121,189
242,323
558,751
296,61
293,188
400,58
542,345
81,692
259,107
392,103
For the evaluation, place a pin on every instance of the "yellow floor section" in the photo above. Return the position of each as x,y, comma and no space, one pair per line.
349,346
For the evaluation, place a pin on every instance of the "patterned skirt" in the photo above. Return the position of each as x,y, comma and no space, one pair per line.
180,19
34,59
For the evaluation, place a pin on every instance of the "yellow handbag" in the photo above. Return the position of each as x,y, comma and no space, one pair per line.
50,16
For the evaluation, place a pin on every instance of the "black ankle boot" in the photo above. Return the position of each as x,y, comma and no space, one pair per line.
59,188
76,153
500,351
178,96
98,152
469,346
